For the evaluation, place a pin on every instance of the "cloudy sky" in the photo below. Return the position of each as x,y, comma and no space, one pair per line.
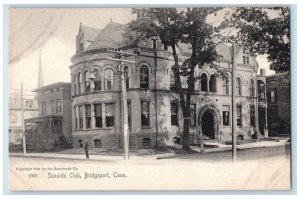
52,33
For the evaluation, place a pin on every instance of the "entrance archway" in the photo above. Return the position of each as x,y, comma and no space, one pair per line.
208,124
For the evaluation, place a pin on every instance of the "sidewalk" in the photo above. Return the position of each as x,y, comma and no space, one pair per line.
118,156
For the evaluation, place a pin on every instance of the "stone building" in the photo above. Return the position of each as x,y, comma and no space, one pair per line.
279,103
153,110
52,128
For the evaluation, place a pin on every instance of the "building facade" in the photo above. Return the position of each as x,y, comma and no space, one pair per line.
51,129
154,114
30,107
279,103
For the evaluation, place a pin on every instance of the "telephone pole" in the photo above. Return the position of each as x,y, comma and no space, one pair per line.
22,118
233,104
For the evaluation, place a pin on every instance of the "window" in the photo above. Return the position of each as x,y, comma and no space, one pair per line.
193,114
74,80
80,143
97,81
129,113
165,47
272,114
79,79
239,115
238,86
98,115
154,44
88,116
98,143
44,110
126,74
225,85
87,81
145,121
251,87
80,117
226,115
110,115
76,118
246,60
261,89
58,106
172,80
146,142
252,115
109,78
144,77
203,79
52,104
212,83
273,96
174,114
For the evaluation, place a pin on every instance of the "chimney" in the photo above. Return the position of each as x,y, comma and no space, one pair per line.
262,72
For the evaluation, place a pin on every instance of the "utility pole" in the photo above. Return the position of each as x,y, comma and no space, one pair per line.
23,125
233,105
120,58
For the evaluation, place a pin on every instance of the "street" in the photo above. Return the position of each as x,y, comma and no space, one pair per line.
256,169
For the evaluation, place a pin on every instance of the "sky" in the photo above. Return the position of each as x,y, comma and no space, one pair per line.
51,34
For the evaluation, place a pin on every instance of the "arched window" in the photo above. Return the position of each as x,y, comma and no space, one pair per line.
144,77
79,80
238,86
251,87
225,85
126,74
203,79
213,83
97,81
109,79
87,84
172,80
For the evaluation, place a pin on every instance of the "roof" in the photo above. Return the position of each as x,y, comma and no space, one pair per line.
58,84
109,37
90,33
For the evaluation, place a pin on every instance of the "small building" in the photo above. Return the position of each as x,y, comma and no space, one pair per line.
52,129
279,103
30,109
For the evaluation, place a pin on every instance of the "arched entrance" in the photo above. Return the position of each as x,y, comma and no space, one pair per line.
208,124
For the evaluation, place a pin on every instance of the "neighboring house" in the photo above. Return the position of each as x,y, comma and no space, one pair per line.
30,107
51,130
152,102
279,103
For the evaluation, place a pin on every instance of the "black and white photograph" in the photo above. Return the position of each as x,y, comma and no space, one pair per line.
149,98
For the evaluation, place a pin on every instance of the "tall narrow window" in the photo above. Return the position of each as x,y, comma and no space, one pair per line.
246,60
88,116
76,118
110,115
172,80
87,81
80,117
261,89
238,86
58,106
97,81
203,79
225,115
251,88
144,77
154,44
52,103
109,78
126,74
174,114
129,113
145,120
225,85
273,96
74,80
193,114
239,115
79,80
98,115
212,83
44,108
252,115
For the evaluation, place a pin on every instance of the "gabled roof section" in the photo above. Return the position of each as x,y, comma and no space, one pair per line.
111,36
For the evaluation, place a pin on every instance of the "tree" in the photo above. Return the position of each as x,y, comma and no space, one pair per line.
172,27
265,31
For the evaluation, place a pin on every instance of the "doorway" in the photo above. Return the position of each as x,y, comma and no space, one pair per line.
208,124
